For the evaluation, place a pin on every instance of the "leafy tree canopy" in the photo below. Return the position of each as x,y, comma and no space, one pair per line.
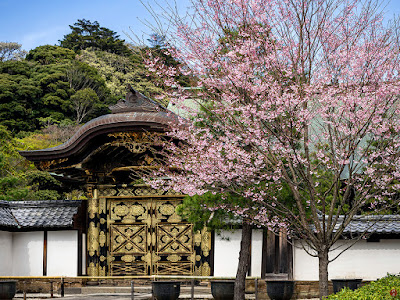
11,51
86,34
43,86
19,180
118,70
50,54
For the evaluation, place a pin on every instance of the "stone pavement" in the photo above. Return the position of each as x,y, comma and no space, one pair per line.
116,296
142,292
104,297
83,297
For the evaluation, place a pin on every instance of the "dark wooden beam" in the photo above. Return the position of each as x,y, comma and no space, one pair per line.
45,253
270,253
283,252
263,255
80,252
212,253
251,239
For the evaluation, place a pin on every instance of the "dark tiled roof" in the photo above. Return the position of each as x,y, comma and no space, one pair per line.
377,224
38,214
384,224
6,216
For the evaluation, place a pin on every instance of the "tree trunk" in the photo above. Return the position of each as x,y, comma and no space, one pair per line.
323,273
244,260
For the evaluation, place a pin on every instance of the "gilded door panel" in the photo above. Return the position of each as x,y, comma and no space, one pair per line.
174,246
165,211
146,237
128,248
129,211
128,239
174,238
122,268
179,268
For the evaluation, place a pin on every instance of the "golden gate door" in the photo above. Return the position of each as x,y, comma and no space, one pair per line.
146,237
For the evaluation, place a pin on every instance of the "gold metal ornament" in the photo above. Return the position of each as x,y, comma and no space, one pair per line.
93,239
92,269
145,236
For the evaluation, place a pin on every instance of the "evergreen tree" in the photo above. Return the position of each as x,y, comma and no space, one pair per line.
86,34
48,54
118,71
43,86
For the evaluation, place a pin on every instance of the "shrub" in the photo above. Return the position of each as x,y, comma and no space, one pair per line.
376,290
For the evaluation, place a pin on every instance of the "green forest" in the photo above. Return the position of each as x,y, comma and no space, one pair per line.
48,92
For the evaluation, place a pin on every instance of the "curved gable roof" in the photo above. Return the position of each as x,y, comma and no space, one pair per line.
135,113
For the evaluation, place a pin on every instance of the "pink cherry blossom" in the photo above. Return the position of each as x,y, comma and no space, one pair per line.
300,95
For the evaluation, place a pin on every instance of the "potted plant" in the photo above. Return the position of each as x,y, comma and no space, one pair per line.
280,289
7,289
223,289
166,290
339,284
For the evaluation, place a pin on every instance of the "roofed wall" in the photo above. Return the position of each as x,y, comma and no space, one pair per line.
364,260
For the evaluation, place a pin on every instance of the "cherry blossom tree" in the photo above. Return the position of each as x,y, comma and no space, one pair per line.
298,95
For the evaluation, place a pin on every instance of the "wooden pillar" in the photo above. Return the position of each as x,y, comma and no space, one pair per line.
45,253
212,253
102,237
251,241
264,255
203,263
283,251
80,252
93,233
269,254
277,256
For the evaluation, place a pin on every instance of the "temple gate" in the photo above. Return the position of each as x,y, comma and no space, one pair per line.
132,229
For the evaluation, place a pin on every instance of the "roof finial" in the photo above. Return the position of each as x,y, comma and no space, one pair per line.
135,102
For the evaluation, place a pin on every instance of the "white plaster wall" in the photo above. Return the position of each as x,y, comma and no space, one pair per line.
226,253
364,260
62,253
27,250
6,256
256,252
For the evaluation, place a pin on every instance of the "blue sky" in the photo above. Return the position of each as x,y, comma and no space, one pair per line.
39,22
